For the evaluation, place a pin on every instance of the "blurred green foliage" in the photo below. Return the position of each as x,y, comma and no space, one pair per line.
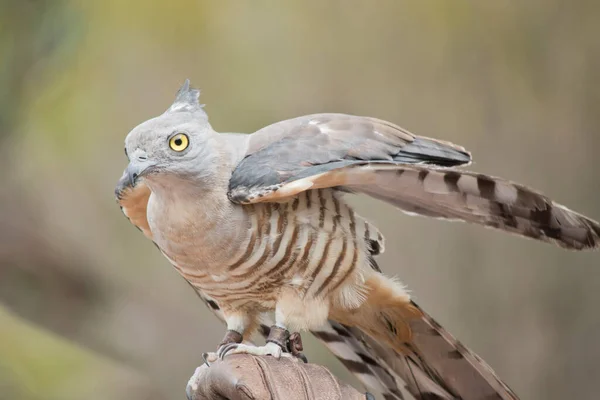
88,306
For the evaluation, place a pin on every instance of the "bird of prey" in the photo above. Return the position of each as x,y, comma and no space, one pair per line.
258,225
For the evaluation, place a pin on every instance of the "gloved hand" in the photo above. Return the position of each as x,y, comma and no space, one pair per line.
247,377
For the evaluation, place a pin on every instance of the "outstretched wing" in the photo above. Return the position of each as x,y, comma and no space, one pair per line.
302,153
386,162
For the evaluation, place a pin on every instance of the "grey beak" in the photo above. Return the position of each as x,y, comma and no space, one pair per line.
133,171
122,185
138,166
130,176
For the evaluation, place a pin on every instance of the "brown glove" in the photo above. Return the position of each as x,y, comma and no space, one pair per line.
247,377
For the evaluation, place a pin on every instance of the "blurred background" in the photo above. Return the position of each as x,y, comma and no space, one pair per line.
90,309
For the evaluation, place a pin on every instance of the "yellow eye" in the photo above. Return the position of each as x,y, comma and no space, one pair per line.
179,142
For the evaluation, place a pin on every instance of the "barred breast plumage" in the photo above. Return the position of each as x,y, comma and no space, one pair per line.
313,243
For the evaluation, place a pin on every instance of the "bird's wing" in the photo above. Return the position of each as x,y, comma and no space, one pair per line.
348,349
293,155
386,162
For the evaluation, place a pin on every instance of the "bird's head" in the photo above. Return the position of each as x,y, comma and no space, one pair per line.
177,144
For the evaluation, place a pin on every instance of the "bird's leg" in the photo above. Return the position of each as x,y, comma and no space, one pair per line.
238,324
280,336
290,310
291,344
278,344
231,336
273,347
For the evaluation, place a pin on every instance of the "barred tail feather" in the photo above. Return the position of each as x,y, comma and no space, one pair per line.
437,366
349,348
417,379
479,199
417,349
431,363
452,364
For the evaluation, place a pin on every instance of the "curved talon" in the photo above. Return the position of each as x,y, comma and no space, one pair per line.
204,358
302,357
269,349
223,350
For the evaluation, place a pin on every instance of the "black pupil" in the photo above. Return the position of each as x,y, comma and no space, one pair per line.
178,142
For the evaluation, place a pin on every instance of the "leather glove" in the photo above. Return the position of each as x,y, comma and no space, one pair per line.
248,377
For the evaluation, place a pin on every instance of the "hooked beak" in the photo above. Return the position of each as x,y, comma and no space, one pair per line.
137,167
135,170
132,172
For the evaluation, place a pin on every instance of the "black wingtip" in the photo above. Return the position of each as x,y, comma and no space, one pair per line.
429,151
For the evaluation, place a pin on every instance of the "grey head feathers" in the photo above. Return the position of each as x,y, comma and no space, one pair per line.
178,142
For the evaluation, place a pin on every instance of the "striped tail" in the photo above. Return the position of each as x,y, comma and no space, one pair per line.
348,345
451,364
427,358
432,363
437,366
